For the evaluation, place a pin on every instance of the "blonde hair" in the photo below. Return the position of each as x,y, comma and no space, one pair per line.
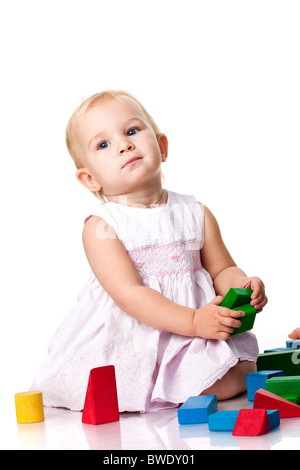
89,103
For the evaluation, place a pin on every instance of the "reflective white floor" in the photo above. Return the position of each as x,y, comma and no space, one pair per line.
63,429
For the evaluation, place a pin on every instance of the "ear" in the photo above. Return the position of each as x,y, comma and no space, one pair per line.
163,145
84,177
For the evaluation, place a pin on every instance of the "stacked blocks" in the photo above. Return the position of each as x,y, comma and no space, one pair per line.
285,387
255,422
257,380
293,344
275,350
287,360
265,399
101,401
281,391
245,422
239,299
197,409
249,422
274,388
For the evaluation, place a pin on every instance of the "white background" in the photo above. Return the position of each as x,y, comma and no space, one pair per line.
221,78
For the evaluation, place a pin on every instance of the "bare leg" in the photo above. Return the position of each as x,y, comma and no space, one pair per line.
233,383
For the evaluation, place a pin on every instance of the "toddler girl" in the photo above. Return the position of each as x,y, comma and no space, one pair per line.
159,272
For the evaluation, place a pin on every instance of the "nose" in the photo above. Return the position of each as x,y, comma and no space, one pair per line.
125,146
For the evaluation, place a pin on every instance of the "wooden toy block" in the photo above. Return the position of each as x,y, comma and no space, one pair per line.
274,418
251,422
29,407
236,297
101,400
293,344
247,321
257,380
223,420
286,387
265,399
196,409
293,398
288,361
239,299
275,350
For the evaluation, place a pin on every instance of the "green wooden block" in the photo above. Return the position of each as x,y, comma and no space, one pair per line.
247,321
284,385
236,297
239,299
288,361
293,398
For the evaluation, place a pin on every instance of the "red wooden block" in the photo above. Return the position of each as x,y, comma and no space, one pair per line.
101,400
265,399
251,422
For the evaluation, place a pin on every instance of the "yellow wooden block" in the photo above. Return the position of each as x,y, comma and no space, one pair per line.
29,407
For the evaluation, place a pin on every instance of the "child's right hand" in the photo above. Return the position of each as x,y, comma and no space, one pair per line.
215,322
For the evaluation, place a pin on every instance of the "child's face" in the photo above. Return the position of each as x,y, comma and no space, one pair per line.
119,149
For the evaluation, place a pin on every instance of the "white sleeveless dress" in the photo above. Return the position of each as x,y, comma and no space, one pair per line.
154,369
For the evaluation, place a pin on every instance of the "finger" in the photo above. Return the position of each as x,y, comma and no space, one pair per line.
223,336
227,312
260,302
229,322
295,334
258,289
259,294
217,300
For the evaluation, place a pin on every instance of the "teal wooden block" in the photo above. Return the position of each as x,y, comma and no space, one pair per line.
223,420
257,380
196,409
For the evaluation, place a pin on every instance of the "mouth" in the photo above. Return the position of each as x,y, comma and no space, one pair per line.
131,161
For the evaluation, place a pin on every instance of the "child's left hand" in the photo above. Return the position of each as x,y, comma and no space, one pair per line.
258,297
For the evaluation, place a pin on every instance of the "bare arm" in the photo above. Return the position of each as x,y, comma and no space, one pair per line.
118,276
215,257
225,274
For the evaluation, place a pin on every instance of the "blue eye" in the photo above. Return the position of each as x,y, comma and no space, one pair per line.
103,145
132,131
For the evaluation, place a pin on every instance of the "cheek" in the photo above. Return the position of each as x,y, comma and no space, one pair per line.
153,146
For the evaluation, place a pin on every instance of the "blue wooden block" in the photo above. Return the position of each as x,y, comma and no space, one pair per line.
274,418
293,344
257,380
197,409
275,350
223,420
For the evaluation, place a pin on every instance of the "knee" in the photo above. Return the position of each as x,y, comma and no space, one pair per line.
233,382
236,379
